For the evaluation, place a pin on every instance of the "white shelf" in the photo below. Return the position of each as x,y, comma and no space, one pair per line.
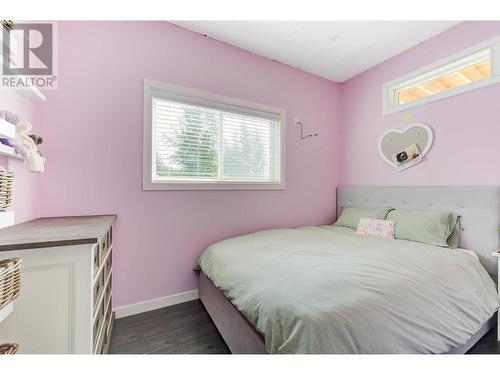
6,310
7,130
6,219
8,151
31,93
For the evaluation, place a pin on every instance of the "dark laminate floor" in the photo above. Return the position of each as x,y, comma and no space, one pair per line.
184,328
187,329
487,345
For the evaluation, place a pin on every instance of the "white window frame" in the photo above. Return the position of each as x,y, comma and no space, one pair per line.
390,89
221,101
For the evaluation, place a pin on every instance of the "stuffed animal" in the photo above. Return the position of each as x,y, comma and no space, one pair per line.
38,141
27,148
24,143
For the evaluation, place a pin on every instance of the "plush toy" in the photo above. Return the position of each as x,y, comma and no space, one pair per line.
24,144
27,148
38,141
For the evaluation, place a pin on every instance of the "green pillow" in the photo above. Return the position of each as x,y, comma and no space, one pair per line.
431,227
350,216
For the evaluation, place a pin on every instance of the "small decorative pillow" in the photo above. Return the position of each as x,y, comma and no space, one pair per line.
350,216
374,227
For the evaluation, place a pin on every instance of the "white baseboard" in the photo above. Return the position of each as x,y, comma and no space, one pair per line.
153,304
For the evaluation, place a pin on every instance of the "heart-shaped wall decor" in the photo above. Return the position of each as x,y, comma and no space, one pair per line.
394,141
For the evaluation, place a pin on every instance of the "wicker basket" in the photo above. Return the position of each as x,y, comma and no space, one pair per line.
10,280
9,348
6,180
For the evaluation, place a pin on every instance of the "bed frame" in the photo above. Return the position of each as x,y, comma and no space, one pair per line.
479,207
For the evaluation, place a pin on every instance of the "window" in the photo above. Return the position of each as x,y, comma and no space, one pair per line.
199,141
476,67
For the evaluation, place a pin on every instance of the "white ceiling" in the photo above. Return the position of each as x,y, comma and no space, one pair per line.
335,50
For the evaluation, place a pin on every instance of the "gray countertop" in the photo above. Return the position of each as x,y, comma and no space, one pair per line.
55,231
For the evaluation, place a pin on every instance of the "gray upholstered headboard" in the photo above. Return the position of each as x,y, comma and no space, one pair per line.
478,206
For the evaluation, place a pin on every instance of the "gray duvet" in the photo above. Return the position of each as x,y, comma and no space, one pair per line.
329,290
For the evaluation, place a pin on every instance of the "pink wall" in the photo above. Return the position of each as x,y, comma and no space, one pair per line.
26,185
466,127
93,133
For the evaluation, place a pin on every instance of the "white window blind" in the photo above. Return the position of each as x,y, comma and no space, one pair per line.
196,141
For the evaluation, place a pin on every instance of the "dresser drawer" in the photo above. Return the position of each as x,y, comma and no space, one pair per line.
99,346
103,249
107,318
106,333
98,288
102,325
105,340
107,291
108,264
95,259
105,244
98,322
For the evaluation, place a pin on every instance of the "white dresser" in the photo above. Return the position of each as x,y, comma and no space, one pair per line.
65,305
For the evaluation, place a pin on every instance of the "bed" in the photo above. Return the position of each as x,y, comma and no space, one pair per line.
328,290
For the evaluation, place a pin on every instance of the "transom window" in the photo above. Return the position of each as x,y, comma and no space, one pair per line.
473,68
197,140
470,69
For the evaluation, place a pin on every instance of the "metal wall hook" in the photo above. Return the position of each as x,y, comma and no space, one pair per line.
299,124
